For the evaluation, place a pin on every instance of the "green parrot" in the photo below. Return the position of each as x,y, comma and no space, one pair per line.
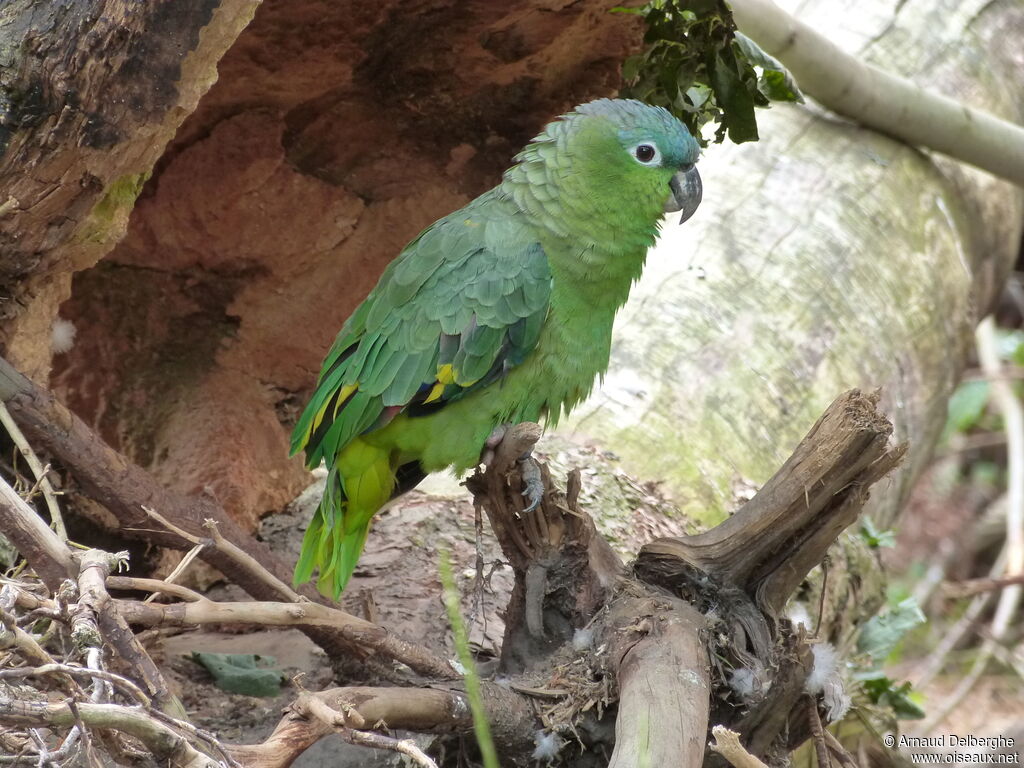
496,314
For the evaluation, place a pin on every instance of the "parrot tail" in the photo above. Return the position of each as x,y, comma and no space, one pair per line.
359,484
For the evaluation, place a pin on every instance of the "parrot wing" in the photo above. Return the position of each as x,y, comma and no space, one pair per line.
460,306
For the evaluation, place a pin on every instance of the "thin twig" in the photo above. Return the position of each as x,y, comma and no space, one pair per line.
306,613
971,587
123,683
161,740
48,556
836,748
817,733
179,569
379,741
249,562
156,586
56,519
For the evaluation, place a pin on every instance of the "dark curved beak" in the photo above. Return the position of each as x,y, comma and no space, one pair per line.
686,193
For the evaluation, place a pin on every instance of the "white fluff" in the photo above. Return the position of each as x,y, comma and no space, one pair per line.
837,703
826,666
798,614
548,746
744,682
582,639
62,336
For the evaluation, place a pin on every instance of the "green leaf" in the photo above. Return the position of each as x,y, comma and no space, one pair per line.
874,537
696,65
900,699
775,82
735,98
882,633
239,673
966,406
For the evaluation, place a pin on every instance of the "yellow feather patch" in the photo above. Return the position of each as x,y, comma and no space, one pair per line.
435,393
343,396
445,374
318,419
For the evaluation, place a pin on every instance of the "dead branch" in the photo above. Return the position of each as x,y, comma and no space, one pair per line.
305,614
154,587
971,587
727,744
664,681
166,745
47,554
773,541
128,491
426,710
305,722
38,471
742,572
96,621
561,563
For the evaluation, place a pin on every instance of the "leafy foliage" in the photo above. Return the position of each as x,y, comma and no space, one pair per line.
877,641
875,537
881,634
966,406
886,693
696,65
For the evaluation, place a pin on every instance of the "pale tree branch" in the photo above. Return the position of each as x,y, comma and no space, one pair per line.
727,744
38,470
881,100
165,744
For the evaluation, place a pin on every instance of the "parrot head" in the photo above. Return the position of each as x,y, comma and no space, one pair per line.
617,153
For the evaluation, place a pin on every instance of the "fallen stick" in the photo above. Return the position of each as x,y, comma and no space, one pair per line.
127,491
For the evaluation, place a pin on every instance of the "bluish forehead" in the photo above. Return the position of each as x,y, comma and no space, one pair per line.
638,122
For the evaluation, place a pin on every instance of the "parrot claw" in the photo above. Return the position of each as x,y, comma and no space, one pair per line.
533,485
493,441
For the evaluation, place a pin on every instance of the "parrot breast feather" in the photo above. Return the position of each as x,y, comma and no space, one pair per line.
460,306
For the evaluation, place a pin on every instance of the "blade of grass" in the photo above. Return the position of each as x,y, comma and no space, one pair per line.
481,728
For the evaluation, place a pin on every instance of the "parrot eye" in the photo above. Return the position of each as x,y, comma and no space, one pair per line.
647,154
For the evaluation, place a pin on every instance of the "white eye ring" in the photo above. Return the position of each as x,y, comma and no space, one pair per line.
646,153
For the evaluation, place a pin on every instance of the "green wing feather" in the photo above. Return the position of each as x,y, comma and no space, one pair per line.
471,292
460,306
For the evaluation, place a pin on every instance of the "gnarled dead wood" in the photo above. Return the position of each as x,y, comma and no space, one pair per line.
732,581
773,541
564,569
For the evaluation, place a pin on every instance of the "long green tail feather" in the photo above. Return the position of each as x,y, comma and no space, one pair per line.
338,531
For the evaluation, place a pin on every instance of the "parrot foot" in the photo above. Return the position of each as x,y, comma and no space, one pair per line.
533,484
